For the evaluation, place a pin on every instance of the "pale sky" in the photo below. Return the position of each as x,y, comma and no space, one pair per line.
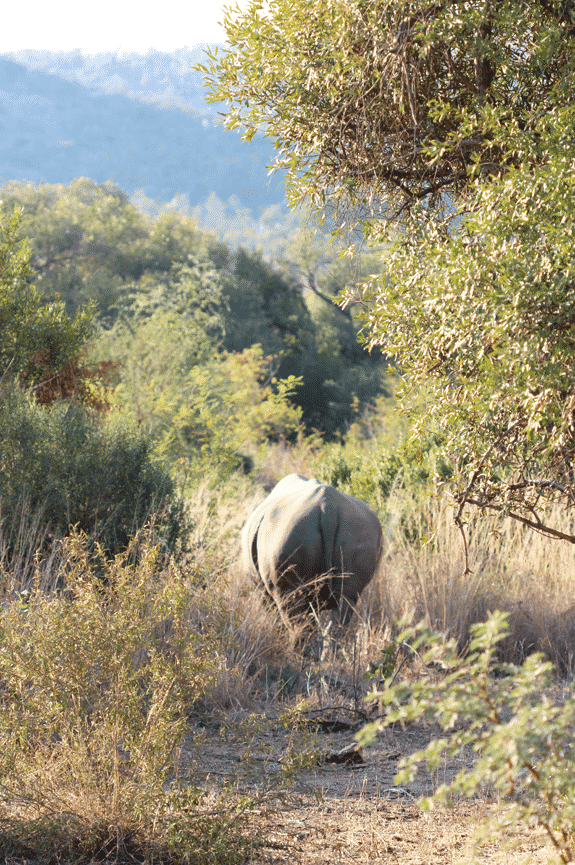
96,26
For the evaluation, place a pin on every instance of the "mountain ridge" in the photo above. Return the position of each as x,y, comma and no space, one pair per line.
156,77
55,129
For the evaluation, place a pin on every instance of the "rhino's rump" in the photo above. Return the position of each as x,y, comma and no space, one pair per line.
304,534
292,548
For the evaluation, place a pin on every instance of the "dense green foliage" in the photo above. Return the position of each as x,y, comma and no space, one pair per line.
160,281
211,417
457,119
378,103
36,340
496,325
87,241
76,468
373,473
342,379
60,461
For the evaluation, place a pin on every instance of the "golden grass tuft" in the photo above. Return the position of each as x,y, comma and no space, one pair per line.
422,576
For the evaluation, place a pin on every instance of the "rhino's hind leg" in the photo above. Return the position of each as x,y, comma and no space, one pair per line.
345,610
291,603
298,614
345,599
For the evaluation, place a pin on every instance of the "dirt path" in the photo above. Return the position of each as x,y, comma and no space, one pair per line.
371,830
356,814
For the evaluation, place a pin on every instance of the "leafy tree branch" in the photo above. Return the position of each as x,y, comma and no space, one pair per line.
379,104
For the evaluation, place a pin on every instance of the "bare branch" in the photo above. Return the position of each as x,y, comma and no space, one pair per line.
482,461
538,527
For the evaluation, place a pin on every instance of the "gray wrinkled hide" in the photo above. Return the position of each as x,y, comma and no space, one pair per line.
305,529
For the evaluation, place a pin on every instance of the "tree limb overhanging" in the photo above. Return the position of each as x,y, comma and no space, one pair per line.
455,120
382,100
532,524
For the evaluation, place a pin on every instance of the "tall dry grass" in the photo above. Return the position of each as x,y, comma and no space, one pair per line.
221,599
257,652
422,576
236,659
101,669
28,554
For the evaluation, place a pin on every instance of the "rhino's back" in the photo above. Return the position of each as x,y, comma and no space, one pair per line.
290,532
311,527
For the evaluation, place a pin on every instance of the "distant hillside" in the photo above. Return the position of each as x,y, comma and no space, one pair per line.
164,80
139,121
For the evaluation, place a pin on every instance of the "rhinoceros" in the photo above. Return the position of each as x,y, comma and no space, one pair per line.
306,530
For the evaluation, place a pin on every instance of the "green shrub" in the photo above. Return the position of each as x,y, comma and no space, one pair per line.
368,475
97,683
371,473
80,470
520,738
225,408
36,339
207,413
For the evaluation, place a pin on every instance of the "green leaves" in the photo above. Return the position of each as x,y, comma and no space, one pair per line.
514,739
63,466
479,308
380,106
456,120
35,338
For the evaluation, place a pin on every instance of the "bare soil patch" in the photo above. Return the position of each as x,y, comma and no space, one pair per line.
373,830
338,813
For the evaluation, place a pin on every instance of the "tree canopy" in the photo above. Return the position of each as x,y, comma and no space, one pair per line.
451,122
39,344
483,319
168,283
381,103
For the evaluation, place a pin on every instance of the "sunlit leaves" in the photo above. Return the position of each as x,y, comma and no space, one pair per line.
480,308
377,102
36,339
512,738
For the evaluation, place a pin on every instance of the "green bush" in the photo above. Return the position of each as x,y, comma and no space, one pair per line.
80,470
205,411
372,473
97,683
224,413
36,339
89,244
520,739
